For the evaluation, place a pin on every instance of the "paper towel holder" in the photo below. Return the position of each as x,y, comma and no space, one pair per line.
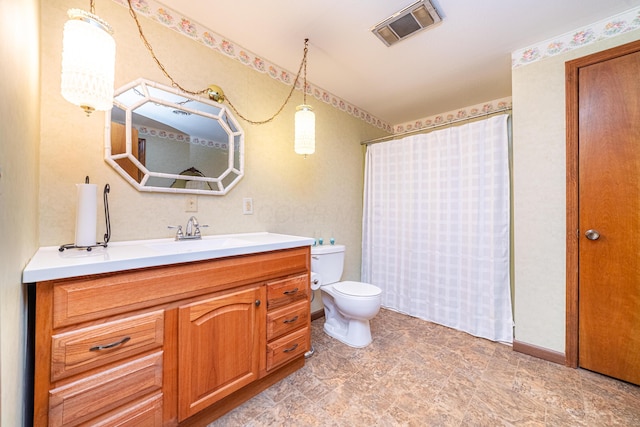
107,220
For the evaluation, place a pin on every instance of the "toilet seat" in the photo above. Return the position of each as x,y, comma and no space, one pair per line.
357,289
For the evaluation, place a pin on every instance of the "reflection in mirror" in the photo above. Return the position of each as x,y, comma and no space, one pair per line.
160,139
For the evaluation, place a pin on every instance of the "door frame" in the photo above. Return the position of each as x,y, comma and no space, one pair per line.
572,69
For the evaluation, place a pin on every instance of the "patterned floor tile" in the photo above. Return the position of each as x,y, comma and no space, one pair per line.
416,373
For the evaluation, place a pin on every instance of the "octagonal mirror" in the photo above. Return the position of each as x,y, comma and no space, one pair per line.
162,140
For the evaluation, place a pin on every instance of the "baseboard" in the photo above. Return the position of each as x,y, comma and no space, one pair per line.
317,314
540,352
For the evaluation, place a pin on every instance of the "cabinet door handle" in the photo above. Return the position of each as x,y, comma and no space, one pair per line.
257,303
293,319
291,292
290,349
108,346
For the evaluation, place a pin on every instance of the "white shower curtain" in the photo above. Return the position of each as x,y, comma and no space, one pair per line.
436,227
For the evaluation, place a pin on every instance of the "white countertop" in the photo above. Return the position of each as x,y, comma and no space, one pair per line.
49,263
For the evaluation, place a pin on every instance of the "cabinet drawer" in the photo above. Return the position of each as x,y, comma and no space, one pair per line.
287,319
144,413
90,397
287,348
77,351
288,290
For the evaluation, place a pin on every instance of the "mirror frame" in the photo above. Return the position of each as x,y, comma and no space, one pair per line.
213,182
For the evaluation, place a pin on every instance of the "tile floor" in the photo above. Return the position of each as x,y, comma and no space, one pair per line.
416,373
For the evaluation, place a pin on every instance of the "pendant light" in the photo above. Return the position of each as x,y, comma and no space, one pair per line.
305,118
88,61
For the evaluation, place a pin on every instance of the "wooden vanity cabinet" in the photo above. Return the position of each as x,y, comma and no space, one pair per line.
173,345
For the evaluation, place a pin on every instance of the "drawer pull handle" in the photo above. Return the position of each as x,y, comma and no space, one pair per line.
290,349
293,319
291,292
108,346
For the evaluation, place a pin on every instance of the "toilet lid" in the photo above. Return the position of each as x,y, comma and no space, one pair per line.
358,289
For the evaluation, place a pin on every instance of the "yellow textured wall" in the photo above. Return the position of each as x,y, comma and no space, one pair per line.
319,196
19,138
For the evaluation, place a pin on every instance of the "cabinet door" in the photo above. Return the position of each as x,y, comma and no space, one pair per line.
221,343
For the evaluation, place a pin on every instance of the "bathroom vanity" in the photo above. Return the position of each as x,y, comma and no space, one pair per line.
165,332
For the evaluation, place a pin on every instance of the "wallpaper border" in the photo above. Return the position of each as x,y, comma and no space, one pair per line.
601,30
606,28
188,27
455,115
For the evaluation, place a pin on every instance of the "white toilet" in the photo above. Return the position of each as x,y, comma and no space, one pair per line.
348,306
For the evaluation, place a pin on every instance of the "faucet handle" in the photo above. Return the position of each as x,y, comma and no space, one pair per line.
198,227
179,233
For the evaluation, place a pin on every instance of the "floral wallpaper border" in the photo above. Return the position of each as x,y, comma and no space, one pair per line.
180,137
607,28
610,27
455,115
185,26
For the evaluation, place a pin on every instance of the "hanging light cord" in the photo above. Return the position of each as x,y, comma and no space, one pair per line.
286,101
175,84
304,63
134,15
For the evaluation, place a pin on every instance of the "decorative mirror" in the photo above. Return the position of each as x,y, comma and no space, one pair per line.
162,140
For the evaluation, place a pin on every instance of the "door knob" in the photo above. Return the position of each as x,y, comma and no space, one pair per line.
592,234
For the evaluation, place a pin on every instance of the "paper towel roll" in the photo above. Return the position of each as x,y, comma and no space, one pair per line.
86,214
316,281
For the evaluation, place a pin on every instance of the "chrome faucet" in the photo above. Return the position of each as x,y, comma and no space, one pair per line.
192,230
192,225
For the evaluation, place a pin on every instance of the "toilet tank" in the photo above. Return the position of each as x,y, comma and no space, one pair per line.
328,262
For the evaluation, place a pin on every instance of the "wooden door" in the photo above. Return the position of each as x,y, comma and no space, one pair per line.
219,347
609,217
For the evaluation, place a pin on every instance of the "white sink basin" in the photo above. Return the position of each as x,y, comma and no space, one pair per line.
205,244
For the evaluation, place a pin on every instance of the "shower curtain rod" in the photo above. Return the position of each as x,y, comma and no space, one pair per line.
428,128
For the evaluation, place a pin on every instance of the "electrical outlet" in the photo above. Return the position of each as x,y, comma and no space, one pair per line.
247,206
192,204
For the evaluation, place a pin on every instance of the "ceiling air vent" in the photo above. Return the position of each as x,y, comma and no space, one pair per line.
408,21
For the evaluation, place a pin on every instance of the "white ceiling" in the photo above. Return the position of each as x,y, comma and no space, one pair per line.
463,61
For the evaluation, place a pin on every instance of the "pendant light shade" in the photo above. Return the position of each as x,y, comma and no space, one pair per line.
305,130
88,61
